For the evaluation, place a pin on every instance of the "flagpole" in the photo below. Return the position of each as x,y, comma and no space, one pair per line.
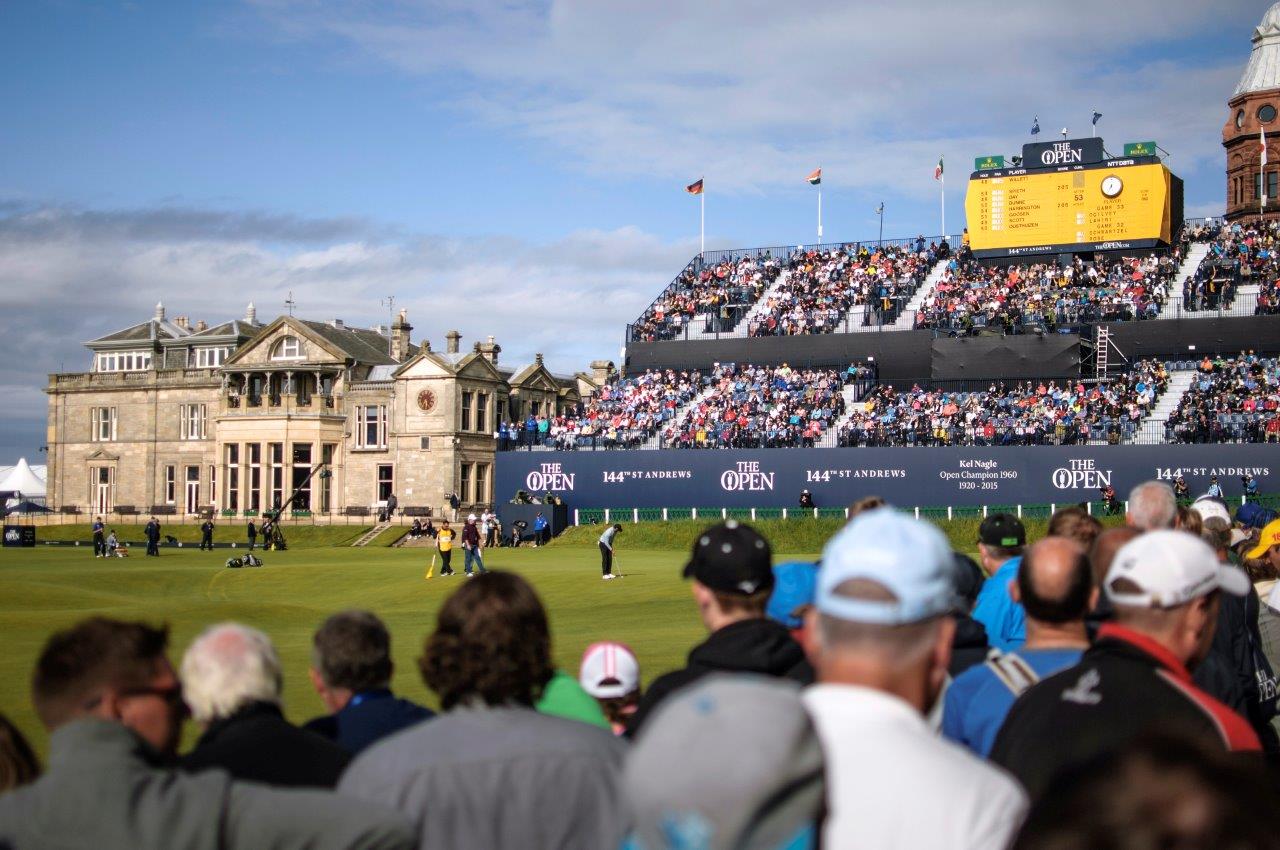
702,227
943,181
819,214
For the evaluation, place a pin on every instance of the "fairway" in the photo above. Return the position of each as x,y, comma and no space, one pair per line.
46,589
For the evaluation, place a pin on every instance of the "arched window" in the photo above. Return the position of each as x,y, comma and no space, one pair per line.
288,348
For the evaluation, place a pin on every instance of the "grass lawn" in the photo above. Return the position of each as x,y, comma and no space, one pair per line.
46,589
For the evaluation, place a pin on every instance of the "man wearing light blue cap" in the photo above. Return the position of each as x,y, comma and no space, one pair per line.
880,639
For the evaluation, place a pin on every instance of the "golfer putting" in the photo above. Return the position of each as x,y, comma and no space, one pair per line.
606,550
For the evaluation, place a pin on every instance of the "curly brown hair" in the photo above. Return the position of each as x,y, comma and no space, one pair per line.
491,645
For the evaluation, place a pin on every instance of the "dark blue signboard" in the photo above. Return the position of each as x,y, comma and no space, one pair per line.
19,535
923,477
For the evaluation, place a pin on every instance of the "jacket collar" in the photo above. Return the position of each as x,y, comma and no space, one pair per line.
247,712
93,739
1147,646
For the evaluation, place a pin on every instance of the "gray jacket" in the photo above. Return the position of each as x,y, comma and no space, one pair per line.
499,778
103,790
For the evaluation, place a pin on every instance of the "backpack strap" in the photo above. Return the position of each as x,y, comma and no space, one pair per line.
1013,672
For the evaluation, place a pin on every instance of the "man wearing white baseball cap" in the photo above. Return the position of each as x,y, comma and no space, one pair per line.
1164,586
880,639
610,673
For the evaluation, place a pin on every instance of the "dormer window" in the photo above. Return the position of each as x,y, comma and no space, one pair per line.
288,348
122,361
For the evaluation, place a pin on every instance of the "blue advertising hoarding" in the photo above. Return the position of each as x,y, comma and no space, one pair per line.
924,477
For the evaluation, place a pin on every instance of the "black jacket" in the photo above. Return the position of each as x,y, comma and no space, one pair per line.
258,744
369,717
970,645
1126,684
747,646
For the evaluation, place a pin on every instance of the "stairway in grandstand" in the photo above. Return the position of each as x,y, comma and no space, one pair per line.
761,307
367,538
1151,428
698,324
682,412
906,319
1196,252
851,392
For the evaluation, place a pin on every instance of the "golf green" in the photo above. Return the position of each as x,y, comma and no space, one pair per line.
46,589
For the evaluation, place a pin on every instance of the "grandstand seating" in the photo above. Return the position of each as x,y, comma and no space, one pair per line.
1230,400
719,294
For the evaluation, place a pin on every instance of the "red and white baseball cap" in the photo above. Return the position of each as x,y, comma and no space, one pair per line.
609,670
1170,568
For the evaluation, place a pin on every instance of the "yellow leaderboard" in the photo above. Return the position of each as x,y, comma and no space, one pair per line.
1109,205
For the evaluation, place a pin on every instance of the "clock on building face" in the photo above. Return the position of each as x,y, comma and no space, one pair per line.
426,400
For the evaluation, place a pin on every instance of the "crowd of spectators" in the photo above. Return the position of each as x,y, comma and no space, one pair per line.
822,286
1044,413
855,701
1230,400
722,292
761,407
1239,255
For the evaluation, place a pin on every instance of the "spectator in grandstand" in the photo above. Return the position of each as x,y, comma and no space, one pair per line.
731,579
610,673
1000,541
232,682
1076,523
18,764
108,694
729,763
970,645
1056,588
1163,790
1230,400
1164,586
523,779
351,671
1152,506
880,637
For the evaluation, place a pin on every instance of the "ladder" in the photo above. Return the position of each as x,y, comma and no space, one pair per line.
1102,347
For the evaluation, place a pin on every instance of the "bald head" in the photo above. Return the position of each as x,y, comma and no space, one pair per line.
1104,549
1054,581
1152,506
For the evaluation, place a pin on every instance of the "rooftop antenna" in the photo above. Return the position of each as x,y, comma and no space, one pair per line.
289,303
390,301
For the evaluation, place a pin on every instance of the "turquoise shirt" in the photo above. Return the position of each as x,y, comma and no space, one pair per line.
1004,619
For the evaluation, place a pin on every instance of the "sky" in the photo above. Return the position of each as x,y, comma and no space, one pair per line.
517,169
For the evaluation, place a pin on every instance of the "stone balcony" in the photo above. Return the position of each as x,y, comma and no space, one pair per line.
158,378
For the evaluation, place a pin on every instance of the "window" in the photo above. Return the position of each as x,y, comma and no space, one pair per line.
103,493
231,501
466,410
191,421
1266,113
301,470
213,482
386,482
275,451
482,411
123,361
371,426
1239,119
208,356
255,476
464,483
192,501
482,482
102,424
170,485
1271,183
502,410
288,348
326,477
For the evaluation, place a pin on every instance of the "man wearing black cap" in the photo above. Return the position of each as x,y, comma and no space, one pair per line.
732,577
1000,541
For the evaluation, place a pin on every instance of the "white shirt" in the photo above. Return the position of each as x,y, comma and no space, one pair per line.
893,783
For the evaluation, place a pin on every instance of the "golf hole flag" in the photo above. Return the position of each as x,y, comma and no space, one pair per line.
815,178
694,188
937,170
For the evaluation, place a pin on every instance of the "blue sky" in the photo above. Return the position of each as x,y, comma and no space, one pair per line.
518,168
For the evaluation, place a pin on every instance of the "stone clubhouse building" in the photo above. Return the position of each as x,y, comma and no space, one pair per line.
182,418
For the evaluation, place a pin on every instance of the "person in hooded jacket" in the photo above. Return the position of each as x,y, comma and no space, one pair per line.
732,579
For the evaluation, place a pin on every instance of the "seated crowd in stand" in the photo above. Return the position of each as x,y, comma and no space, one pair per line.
849,702
760,407
1026,414
722,291
1239,255
821,287
1235,400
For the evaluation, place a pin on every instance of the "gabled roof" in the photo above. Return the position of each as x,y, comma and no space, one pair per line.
451,361
360,344
150,331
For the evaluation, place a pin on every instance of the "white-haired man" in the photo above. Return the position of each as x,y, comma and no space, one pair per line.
880,639
231,681
1152,506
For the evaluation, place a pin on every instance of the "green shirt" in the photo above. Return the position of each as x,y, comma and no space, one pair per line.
564,697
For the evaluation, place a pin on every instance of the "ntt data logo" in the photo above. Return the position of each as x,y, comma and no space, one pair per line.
549,477
746,475
1079,474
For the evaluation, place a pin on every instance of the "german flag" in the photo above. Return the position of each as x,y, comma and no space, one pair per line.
815,178
694,188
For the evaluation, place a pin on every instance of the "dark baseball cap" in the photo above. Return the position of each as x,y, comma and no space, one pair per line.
1002,530
731,558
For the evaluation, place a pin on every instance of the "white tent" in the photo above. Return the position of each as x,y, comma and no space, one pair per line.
23,480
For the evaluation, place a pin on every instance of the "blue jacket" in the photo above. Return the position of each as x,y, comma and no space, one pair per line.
1003,618
978,701
367,718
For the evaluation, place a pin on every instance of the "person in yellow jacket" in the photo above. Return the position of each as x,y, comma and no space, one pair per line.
444,543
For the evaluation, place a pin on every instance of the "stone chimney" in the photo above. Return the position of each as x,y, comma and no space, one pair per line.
537,358
601,371
425,345
452,339
251,314
490,350
159,311
400,337
202,325
182,322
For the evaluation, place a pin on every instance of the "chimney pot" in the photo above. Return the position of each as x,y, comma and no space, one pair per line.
159,311
202,325
251,314
452,339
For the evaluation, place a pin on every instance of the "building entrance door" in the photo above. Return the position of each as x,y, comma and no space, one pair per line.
193,489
